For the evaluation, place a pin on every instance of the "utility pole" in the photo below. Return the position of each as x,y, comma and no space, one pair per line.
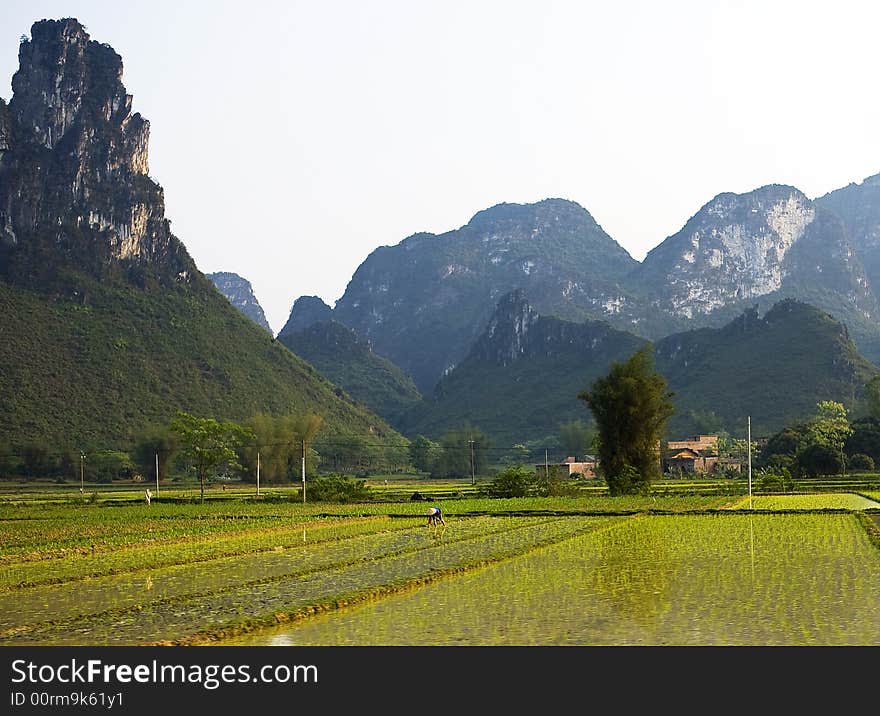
304,469
258,474
749,443
473,481
546,465
82,458
157,474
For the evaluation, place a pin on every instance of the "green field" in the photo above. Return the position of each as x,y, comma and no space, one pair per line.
588,569
685,580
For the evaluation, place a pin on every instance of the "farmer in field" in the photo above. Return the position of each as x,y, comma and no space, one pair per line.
435,515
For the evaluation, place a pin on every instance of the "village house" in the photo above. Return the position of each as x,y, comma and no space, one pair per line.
695,454
570,467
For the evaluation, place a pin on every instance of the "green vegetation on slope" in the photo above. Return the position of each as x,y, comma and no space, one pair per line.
774,369
95,373
529,398
349,363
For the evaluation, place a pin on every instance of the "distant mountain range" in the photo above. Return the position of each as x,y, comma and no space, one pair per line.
423,303
430,304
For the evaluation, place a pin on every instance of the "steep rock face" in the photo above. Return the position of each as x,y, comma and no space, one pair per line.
306,311
74,184
240,294
740,247
733,249
858,205
5,128
108,327
761,247
508,332
516,332
423,302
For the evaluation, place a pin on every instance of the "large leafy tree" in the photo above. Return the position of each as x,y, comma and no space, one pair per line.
156,444
830,426
872,396
818,446
630,405
865,438
463,451
576,438
272,449
208,443
423,452
278,442
304,429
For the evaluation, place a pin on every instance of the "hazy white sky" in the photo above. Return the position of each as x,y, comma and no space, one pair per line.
293,138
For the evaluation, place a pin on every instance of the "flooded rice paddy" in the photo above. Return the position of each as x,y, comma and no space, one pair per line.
689,580
707,572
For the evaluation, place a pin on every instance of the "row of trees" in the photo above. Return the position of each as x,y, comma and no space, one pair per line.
461,452
826,444
630,407
284,447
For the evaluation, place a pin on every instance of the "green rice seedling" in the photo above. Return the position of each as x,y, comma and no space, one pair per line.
829,501
32,605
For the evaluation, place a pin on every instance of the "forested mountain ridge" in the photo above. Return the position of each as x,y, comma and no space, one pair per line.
521,380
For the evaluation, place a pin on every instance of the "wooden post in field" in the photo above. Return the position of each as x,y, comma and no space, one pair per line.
304,469
258,474
157,474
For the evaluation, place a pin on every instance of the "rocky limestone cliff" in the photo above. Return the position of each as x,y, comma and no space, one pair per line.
74,183
240,294
763,246
108,327
306,311
733,249
504,339
5,128
516,332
